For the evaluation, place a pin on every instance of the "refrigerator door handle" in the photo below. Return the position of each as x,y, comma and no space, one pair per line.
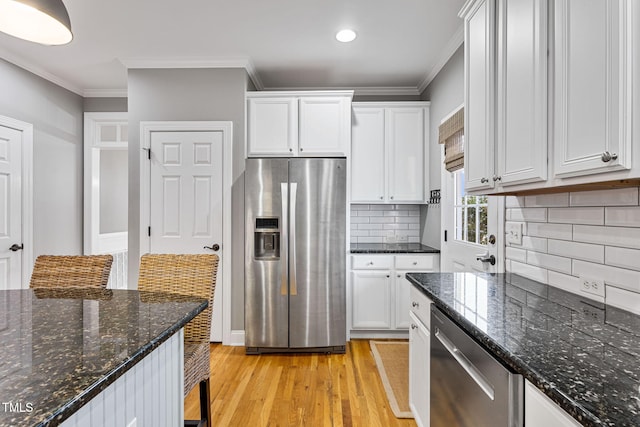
292,229
284,189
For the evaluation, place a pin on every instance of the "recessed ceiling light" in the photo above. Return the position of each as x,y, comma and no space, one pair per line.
346,36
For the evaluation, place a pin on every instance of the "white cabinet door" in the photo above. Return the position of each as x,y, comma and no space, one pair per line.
371,299
367,155
592,79
540,411
479,115
272,126
419,354
522,91
405,145
403,300
324,126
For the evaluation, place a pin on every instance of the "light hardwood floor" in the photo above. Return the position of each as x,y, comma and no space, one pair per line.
296,389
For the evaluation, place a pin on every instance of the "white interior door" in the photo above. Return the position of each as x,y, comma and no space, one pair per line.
471,225
186,200
11,208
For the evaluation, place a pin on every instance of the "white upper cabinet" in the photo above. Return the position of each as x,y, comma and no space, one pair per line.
521,126
479,114
299,124
593,61
505,93
389,152
549,99
367,155
273,126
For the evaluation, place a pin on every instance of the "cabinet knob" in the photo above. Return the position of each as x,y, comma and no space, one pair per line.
301,149
370,263
497,178
391,197
291,150
415,304
399,276
381,197
484,180
415,262
413,326
607,156
388,275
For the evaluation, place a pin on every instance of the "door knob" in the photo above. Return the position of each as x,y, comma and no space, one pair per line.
215,247
16,247
486,258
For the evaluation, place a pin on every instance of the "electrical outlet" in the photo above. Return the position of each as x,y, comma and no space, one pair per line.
513,233
592,286
401,238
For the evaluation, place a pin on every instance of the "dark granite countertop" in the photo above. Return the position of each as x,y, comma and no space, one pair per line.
582,354
60,348
392,248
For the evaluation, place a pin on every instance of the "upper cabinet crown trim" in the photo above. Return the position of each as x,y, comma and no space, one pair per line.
285,93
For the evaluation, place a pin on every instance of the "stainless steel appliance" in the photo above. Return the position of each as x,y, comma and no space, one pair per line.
469,388
295,255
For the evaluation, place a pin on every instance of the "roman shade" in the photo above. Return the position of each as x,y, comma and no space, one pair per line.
451,134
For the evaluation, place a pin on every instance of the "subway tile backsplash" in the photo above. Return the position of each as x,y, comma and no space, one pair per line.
570,236
385,223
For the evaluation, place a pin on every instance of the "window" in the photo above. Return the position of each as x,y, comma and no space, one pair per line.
470,213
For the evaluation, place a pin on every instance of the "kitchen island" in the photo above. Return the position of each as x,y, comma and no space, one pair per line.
92,357
583,355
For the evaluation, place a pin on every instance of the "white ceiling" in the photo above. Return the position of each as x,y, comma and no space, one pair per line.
284,44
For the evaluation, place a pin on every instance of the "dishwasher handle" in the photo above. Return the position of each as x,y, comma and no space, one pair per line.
473,372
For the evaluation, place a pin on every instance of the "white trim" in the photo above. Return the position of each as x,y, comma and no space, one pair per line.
40,72
91,177
363,90
236,338
222,62
105,93
27,193
455,110
109,243
146,128
452,46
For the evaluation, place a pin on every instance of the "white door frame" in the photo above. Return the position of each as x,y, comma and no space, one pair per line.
94,242
146,128
27,193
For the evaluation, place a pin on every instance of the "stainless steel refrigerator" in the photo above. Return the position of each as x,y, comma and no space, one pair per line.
295,255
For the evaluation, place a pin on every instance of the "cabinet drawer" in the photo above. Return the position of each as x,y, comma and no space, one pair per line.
420,305
416,262
372,262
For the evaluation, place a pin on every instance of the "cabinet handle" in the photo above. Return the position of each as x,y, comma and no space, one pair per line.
484,180
497,178
415,304
414,326
607,156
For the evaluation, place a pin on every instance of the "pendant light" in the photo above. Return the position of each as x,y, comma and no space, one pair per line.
40,21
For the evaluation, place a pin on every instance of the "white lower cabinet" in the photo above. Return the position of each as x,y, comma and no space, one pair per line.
419,357
540,411
380,293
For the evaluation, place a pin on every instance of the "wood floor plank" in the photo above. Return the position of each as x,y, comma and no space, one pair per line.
296,390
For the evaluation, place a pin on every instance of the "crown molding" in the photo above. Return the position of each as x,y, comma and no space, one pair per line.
229,62
105,93
364,90
24,64
452,46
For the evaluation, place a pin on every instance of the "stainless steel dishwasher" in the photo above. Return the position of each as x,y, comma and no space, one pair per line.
468,386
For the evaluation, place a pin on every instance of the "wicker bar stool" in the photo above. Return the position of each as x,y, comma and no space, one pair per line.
193,275
77,271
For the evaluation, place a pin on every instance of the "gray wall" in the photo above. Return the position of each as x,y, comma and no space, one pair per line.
56,115
446,92
191,94
104,105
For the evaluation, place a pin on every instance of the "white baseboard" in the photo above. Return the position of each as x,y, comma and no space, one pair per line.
236,338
